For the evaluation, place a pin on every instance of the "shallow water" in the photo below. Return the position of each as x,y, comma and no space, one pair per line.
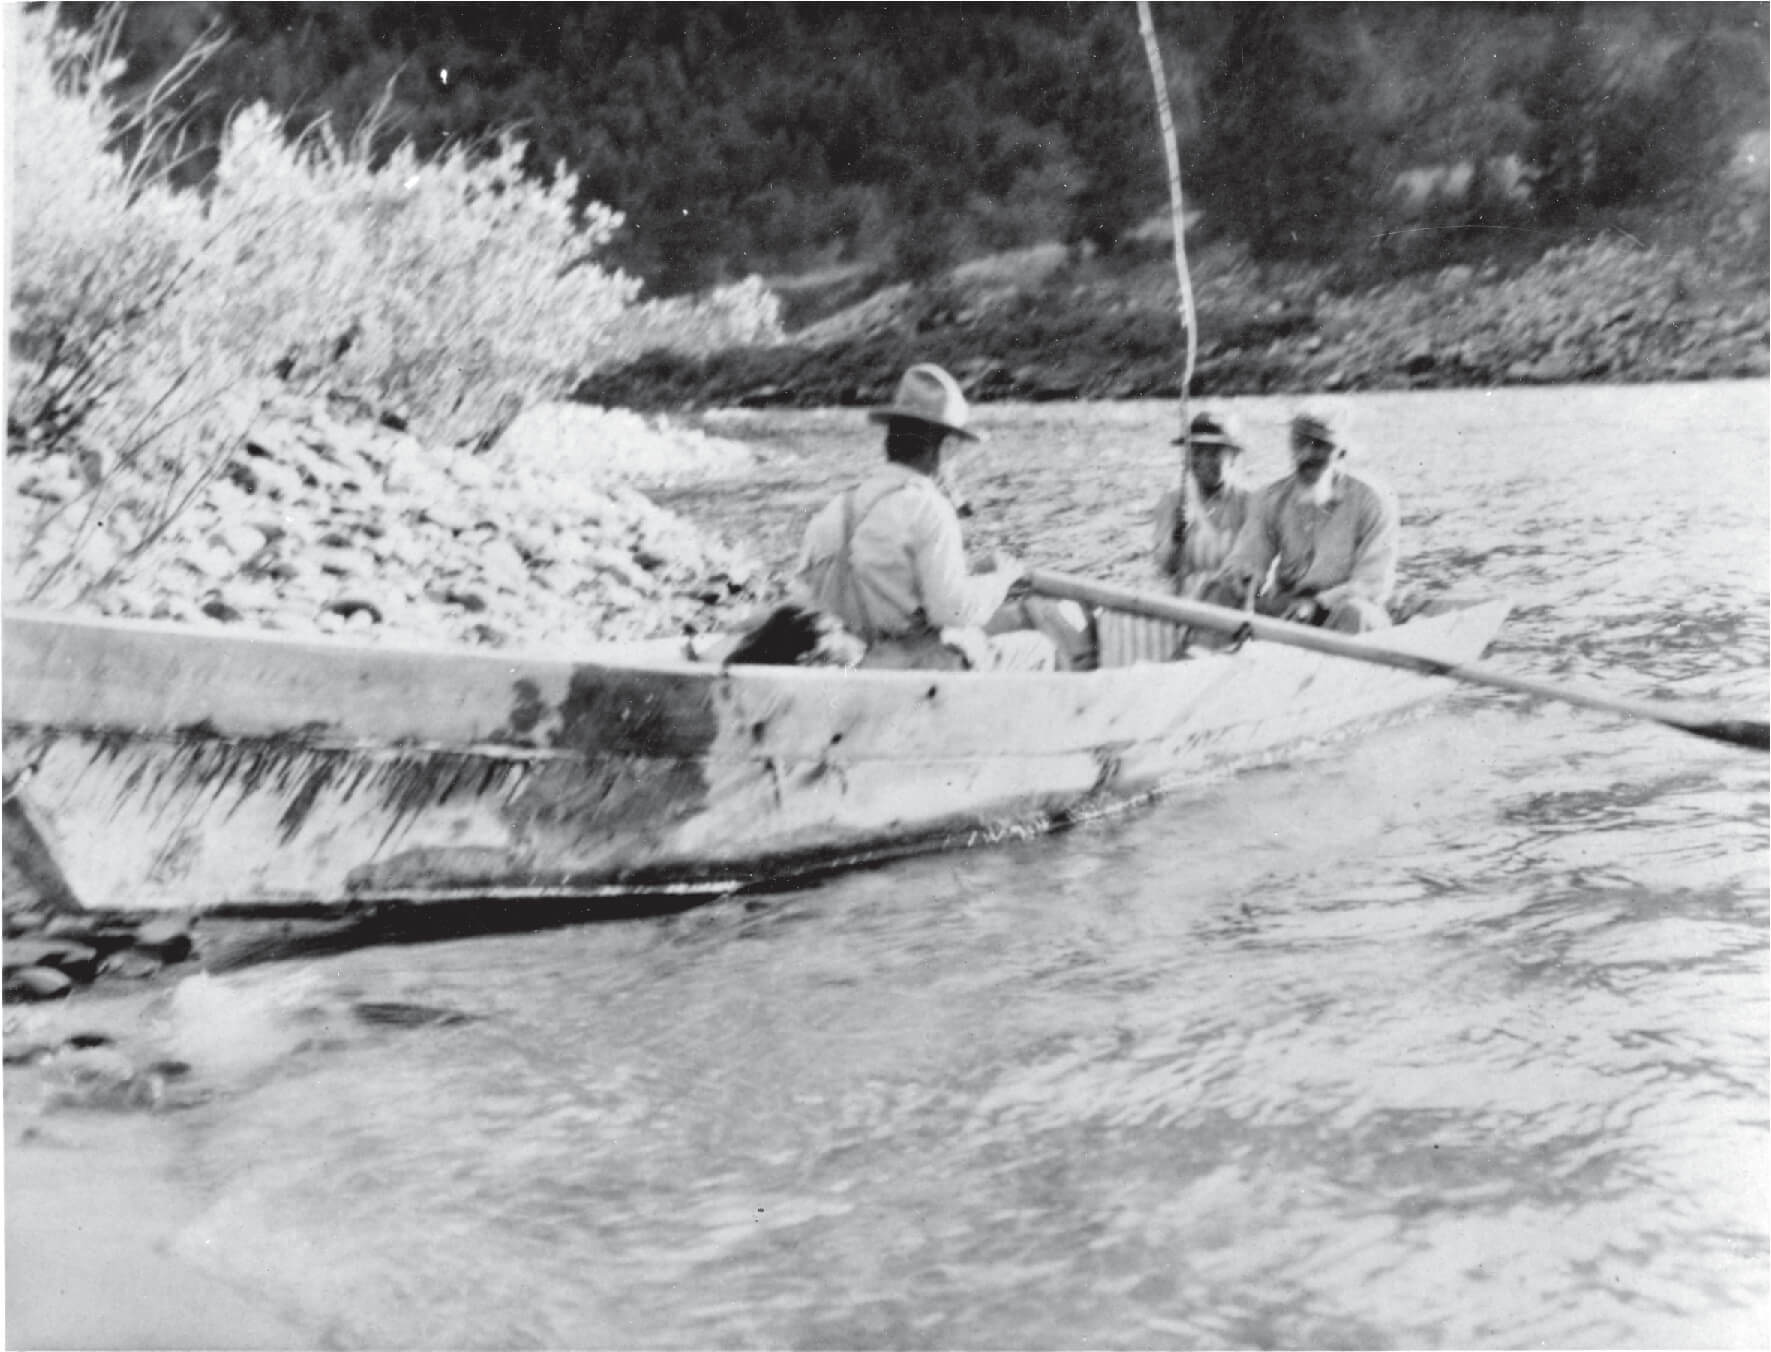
1456,1036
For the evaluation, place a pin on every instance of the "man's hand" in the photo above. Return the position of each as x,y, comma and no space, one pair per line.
1303,611
1004,563
971,643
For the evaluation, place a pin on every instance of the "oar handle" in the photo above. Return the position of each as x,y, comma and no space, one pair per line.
1748,732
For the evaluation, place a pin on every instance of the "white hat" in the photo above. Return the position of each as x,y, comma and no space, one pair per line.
928,394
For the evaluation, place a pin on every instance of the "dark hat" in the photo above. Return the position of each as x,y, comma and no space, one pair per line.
1211,429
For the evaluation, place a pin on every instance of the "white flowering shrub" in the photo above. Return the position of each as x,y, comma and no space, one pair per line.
150,325
453,289
108,434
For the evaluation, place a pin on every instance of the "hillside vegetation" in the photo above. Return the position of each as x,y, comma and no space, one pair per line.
740,139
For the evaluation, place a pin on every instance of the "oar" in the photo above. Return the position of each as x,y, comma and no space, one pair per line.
1748,732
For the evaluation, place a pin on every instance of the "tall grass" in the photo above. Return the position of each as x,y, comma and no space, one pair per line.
151,324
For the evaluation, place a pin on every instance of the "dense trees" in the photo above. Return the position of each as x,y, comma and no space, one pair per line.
756,137
1288,160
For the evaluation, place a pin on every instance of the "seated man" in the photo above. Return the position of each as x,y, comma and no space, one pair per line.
1321,543
1197,521
887,560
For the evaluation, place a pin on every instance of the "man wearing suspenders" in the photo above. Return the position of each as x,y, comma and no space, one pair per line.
887,560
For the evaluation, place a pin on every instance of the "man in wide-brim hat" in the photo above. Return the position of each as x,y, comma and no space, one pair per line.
1197,520
1321,543
886,557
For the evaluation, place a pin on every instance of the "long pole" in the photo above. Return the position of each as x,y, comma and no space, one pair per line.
1177,220
1177,215
1719,726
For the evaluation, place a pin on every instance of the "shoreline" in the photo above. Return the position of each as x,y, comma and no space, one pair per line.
1678,296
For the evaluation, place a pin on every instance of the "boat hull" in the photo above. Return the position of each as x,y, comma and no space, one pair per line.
160,768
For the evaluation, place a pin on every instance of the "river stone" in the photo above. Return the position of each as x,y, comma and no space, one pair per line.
470,473
129,966
352,606
206,561
468,599
450,518
340,561
168,940
265,477
500,559
400,1014
76,960
76,929
241,541
407,475
221,612
37,983
22,922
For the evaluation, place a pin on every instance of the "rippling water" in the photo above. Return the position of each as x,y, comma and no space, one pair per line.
1453,1037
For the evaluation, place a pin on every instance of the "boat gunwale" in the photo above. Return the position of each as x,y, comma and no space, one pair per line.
636,655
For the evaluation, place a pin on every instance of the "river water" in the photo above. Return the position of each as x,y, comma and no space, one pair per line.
1456,1036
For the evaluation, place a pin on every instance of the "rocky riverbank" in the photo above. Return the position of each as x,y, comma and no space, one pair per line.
323,518
1679,298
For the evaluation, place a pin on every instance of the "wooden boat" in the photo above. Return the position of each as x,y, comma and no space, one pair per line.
154,767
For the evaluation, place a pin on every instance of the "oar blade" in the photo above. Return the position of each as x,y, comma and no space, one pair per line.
1753,733
1713,724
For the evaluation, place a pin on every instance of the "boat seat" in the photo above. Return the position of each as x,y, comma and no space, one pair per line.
1129,639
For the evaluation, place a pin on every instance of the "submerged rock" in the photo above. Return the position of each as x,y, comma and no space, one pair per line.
399,1014
37,983
73,960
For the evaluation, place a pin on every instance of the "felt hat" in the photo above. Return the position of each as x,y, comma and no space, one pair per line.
1211,429
1320,425
928,394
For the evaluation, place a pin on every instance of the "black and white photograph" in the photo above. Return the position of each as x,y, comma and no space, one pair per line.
887,676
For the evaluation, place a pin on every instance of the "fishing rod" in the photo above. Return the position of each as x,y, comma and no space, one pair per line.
1189,324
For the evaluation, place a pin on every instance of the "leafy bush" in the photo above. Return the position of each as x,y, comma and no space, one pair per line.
150,324
100,260
1619,122
1288,154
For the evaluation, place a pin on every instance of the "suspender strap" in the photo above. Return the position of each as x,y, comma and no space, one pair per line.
853,602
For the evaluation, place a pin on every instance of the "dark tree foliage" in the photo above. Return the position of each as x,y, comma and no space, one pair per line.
1618,121
1111,118
1286,158
754,137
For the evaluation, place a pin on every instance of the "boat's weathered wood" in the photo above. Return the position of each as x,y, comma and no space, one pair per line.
164,767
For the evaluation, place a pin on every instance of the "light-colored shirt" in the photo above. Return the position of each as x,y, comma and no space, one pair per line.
906,561
1353,539
1212,527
